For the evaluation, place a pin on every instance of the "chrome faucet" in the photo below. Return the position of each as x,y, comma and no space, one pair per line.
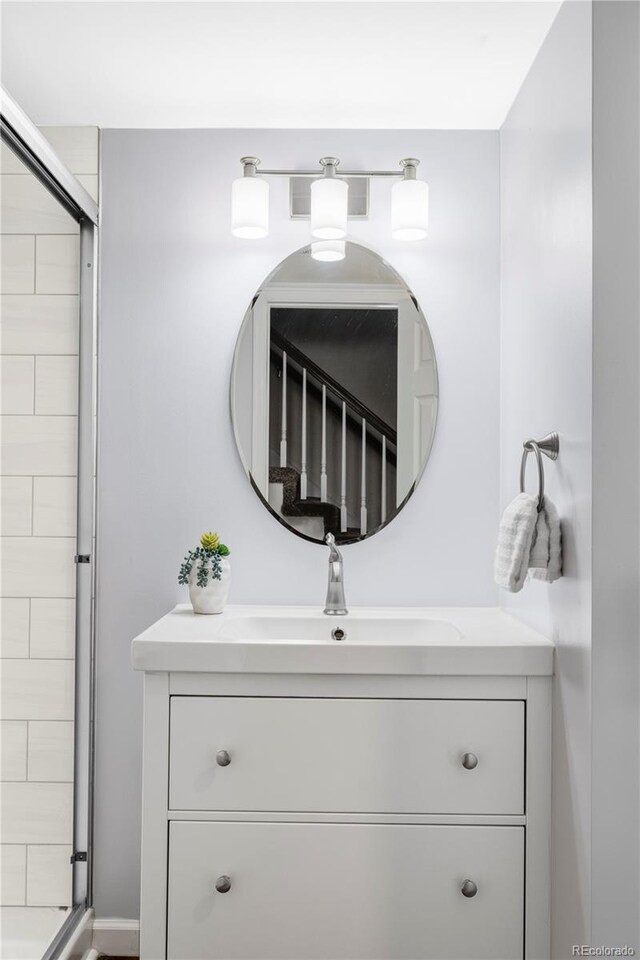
336,605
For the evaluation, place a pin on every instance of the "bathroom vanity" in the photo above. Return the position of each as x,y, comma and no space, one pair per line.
385,795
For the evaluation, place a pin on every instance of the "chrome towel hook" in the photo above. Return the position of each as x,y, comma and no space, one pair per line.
550,447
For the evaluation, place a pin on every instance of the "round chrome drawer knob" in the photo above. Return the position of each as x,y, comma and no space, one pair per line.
223,884
223,759
469,761
468,889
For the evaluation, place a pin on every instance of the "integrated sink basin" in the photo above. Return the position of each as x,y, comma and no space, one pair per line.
370,630
371,640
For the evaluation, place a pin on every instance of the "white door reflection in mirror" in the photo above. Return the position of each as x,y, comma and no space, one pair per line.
417,399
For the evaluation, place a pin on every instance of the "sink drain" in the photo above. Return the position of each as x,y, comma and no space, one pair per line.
338,633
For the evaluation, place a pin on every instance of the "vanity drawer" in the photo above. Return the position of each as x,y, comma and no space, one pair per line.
347,755
348,891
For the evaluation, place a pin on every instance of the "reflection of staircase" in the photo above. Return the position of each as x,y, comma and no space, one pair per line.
294,506
341,411
337,393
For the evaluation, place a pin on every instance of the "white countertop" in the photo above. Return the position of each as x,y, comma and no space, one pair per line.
464,641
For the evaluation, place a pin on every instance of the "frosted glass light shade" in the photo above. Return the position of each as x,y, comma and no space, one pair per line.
328,250
250,208
329,200
409,210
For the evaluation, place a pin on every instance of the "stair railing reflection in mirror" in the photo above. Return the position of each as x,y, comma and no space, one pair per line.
348,412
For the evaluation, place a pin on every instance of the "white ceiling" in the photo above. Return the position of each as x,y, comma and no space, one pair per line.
440,65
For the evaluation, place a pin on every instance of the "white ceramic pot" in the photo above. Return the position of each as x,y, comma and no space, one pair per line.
212,598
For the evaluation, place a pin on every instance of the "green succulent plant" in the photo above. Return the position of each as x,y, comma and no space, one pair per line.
208,559
210,541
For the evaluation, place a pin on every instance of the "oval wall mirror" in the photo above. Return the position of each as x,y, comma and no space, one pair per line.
334,394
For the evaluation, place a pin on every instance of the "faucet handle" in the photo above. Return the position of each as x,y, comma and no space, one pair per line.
335,554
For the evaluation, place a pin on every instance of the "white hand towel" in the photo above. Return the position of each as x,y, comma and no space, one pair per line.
545,561
515,537
539,553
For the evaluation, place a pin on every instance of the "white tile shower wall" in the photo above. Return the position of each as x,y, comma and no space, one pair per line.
16,496
37,689
13,879
14,749
52,623
39,347
39,446
47,873
50,751
57,264
18,264
14,627
17,375
43,324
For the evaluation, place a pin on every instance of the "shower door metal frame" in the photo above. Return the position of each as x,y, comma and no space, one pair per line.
37,154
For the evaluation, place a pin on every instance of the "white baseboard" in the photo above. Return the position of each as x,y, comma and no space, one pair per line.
117,937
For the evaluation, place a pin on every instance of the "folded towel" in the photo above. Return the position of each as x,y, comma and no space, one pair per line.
545,560
515,537
539,553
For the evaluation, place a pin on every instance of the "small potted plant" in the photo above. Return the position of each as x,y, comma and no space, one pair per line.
207,572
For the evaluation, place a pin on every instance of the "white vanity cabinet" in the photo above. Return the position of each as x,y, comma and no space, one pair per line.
339,815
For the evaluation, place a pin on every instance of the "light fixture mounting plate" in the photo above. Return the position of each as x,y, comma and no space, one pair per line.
300,197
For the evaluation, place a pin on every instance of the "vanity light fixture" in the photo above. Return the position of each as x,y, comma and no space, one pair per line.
409,205
250,203
329,203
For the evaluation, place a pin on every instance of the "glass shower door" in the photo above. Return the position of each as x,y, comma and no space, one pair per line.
47,479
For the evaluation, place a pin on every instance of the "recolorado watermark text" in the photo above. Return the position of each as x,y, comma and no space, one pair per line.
584,950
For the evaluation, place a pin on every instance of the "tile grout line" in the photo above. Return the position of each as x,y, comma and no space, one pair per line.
26,878
28,747
35,660
38,355
34,294
27,233
47,783
43,720
39,597
68,416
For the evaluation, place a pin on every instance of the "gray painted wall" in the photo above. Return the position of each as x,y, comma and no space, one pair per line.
175,286
616,480
545,165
